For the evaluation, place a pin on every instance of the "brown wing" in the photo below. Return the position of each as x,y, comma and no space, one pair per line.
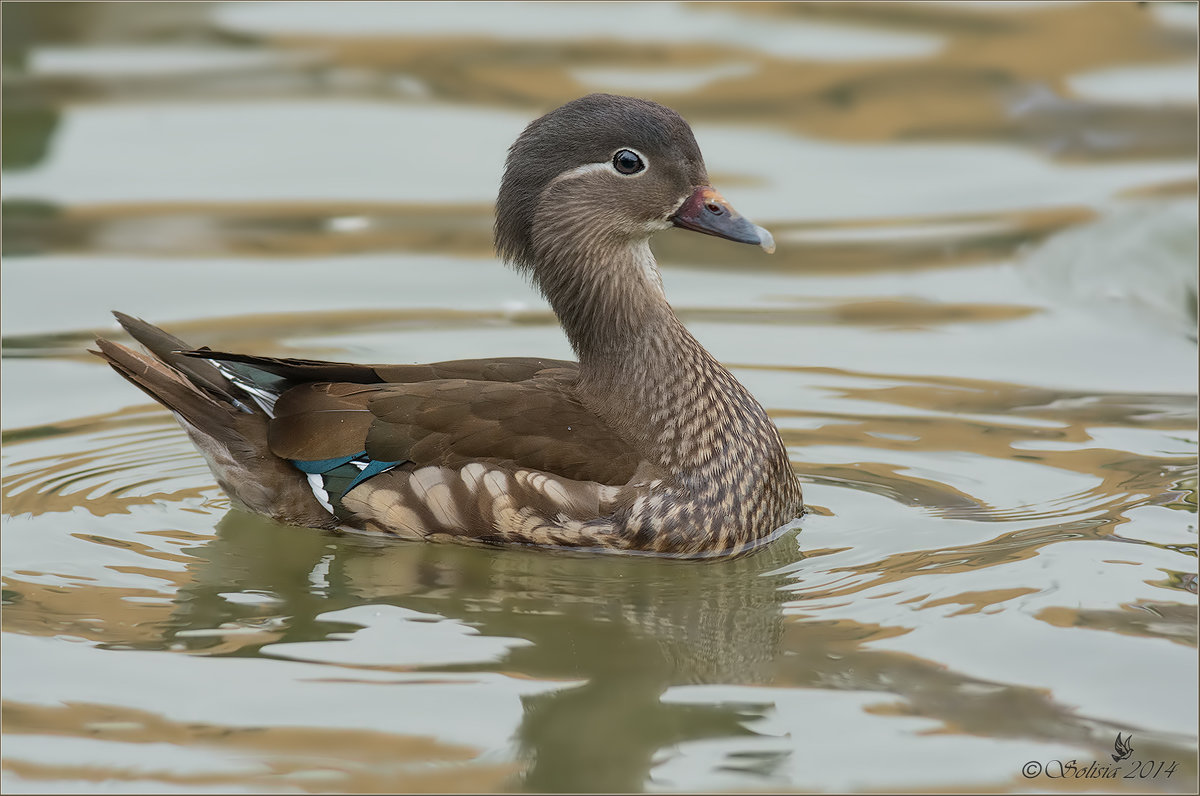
299,371
535,423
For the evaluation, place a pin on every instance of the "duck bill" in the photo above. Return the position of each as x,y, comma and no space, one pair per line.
707,211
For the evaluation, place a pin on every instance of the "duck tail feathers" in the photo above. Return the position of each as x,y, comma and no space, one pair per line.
226,415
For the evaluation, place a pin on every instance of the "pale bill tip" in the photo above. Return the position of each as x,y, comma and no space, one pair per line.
765,239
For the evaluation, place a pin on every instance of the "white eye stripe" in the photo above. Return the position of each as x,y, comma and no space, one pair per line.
579,171
607,165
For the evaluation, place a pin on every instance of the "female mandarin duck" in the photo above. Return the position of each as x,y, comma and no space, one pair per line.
647,444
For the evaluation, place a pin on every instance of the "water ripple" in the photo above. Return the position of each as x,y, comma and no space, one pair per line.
104,464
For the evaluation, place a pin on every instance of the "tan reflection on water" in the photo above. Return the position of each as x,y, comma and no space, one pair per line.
301,758
963,90
269,333
1155,620
968,423
97,475
130,617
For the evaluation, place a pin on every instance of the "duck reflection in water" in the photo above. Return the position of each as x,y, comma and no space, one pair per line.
629,628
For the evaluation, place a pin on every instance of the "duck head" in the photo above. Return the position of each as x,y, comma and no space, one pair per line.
602,174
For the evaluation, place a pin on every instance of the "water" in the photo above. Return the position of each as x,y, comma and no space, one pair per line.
978,336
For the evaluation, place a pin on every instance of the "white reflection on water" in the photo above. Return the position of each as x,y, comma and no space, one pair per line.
673,23
1140,85
638,81
1135,263
816,721
395,636
481,710
112,61
229,151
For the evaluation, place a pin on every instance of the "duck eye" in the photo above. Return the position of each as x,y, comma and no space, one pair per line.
627,161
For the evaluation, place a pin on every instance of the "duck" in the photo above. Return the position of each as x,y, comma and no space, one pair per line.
644,445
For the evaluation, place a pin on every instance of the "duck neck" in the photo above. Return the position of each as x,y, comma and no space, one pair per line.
640,369
608,309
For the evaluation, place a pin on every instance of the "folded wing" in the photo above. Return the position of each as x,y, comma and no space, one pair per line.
515,412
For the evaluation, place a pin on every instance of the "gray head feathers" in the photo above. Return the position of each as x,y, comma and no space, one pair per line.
584,131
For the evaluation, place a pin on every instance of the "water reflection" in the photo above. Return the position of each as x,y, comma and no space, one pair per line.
951,73
618,635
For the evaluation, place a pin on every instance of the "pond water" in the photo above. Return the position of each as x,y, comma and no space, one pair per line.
978,337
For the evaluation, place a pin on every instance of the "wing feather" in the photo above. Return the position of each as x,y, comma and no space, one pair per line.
536,423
